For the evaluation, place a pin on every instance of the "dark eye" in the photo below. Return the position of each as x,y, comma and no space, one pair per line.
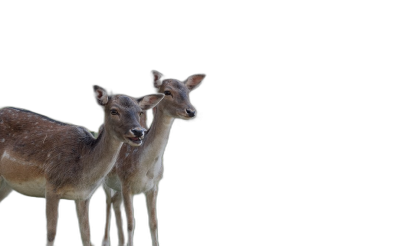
141,113
114,112
168,93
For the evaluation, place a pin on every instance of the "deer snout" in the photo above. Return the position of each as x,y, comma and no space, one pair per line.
191,113
138,132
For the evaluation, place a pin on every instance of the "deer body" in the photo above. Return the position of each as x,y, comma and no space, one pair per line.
42,157
33,153
140,169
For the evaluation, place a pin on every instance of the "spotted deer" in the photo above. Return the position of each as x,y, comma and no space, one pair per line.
41,157
140,169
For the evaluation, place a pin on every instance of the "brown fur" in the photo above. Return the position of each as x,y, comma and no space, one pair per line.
45,158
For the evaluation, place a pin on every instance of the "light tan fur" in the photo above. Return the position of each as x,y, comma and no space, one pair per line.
140,169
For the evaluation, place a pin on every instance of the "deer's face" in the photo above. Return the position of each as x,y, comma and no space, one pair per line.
122,115
176,101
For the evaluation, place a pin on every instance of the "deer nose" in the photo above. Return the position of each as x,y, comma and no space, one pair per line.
190,112
138,132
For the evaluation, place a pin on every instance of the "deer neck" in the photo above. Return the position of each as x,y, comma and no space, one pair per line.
102,157
158,134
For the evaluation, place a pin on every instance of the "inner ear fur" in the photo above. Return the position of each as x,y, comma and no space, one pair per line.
150,101
194,81
157,78
101,95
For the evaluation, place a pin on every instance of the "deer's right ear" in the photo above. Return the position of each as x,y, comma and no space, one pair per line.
101,95
157,78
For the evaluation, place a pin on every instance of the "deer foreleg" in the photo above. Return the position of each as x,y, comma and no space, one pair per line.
128,203
106,240
82,209
116,202
151,201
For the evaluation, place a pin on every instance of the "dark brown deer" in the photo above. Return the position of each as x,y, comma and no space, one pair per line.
41,157
140,169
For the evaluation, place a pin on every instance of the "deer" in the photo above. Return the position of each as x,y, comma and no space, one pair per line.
42,157
140,169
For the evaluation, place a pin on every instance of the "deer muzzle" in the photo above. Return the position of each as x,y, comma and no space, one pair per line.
135,136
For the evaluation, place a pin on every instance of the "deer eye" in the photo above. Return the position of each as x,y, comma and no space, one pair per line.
168,93
141,113
114,112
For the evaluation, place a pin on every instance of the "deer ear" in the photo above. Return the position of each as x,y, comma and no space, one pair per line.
194,81
149,101
101,95
157,78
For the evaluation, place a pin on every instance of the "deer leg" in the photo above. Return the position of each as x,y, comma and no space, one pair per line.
52,202
82,209
106,239
128,203
151,201
117,201
4,189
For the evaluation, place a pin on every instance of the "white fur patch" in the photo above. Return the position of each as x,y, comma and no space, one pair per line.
19,161
5,155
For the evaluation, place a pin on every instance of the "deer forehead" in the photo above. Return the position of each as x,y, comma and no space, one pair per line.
176,85
126,102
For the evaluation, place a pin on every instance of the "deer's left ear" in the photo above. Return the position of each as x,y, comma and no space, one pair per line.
157,78
149,101
194,81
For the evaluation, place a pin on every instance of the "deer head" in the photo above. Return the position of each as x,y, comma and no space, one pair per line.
122,114
176,101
